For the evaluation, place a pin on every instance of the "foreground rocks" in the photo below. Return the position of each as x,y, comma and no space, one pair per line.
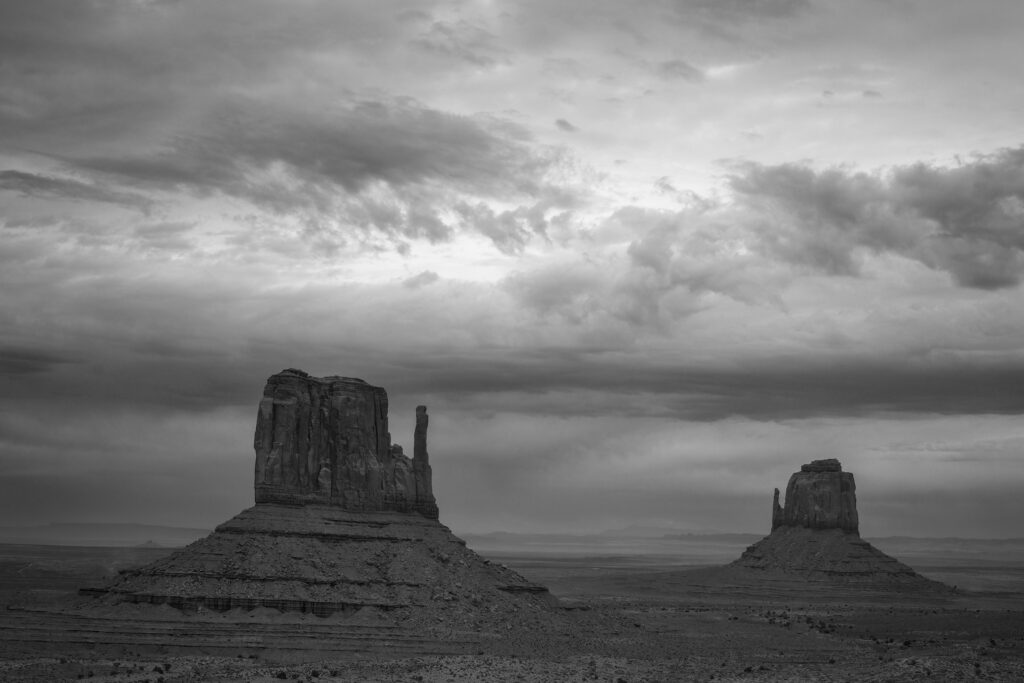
344,523
627,625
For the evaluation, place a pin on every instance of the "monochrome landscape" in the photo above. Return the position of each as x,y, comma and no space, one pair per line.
479,340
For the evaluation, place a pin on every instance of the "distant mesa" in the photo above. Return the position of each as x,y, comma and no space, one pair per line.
815,534
344,521
819,496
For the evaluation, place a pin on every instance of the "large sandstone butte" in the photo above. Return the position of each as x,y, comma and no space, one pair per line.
816,535
325,440
343,522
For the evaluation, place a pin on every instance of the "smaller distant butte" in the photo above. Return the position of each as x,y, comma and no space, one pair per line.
816,535
819,496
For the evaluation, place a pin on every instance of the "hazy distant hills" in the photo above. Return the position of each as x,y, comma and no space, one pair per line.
607,537
719,548
665,543
952,551
101,535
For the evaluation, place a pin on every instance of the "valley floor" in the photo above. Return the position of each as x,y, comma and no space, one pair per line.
635,620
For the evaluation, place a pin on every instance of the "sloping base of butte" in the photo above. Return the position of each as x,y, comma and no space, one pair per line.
815,536
344,521
830,555
323,560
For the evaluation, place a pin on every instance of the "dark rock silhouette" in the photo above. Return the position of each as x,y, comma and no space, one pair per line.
819,496
325,440
815,534
343,522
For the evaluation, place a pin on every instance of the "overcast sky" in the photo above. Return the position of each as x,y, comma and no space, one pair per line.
640,259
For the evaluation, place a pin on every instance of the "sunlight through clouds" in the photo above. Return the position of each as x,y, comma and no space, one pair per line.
641,261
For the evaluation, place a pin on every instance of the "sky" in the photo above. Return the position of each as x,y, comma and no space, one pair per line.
640,260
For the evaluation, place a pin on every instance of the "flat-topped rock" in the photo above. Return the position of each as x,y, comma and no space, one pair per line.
819,496
815,536
829,465
325,441
344,521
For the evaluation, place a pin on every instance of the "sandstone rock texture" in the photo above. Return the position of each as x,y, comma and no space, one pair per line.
325,441
819,496
344,522
815,536
323,560
828,554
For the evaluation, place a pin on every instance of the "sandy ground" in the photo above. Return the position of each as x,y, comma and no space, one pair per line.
644,622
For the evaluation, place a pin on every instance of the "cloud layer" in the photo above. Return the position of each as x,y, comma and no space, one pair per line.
641,262
967,220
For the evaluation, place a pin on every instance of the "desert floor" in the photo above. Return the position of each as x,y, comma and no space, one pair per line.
622,618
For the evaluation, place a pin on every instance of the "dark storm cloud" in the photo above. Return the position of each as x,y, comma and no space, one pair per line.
334,158
512,229
171,236
570,290
23,361
766,389
966,220
32,184
727,19
168,373
421,279
399,142
674,257
235,37
182,97
463,41
746,10
677,69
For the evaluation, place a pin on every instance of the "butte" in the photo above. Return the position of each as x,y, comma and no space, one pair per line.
344,521
815,536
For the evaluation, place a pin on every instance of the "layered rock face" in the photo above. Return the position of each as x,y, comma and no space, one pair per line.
819,496
322,559
815,536
343,522
325,440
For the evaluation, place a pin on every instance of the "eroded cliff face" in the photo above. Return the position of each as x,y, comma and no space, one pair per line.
815,536
819,496
344,522
325,440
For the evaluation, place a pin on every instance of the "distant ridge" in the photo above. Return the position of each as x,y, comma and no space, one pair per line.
118,534
100,534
